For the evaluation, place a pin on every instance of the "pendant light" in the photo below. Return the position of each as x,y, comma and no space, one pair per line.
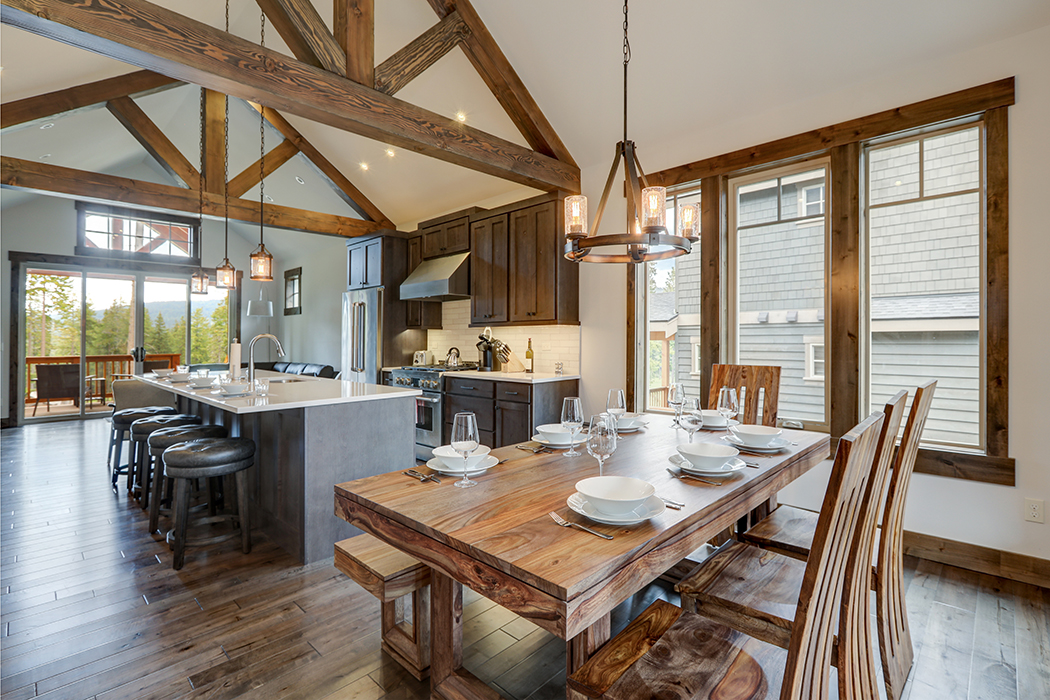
225,275
199,279
261,261
647,238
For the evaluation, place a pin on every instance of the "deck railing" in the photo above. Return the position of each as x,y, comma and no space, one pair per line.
100,368
658,397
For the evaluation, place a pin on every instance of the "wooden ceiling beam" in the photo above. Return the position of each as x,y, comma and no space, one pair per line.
305,33
150,36
497,72
407,64
214,142
87,96
249,177
55,180
354,25
150,137
332,175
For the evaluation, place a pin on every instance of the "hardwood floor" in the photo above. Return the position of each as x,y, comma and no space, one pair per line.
90,608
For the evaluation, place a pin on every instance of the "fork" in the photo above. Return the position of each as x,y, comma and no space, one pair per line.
565,523
423,477
683,477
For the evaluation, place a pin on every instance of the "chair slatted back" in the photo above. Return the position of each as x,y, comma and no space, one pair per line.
893,623
57,381
856,668
756,381
807,673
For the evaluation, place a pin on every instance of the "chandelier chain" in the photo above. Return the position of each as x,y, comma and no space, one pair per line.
226,160
626,60
262,135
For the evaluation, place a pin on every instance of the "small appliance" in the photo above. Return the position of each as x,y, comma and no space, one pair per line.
422,357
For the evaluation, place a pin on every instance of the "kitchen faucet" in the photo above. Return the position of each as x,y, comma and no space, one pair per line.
251,355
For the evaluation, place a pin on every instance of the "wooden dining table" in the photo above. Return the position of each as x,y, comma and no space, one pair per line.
498,538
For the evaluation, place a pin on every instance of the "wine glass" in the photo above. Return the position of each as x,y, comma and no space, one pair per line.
464,441
675,399
727,403
616,406
692,418
572,420
601,439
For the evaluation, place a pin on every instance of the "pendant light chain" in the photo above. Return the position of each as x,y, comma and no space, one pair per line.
626,60
225,274
199,280
261,261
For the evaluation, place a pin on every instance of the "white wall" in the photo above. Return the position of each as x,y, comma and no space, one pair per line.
49,225
966,511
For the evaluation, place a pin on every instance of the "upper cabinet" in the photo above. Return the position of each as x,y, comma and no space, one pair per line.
420,314
365,264
519,274
446,238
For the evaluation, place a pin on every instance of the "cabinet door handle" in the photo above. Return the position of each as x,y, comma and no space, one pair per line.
471,388
511,393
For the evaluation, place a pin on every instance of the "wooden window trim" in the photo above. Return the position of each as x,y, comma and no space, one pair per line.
842,143
82,248
289,274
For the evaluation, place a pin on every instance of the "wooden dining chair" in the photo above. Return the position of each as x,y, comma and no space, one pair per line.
789,531
755,590
57,382
752,383
669,652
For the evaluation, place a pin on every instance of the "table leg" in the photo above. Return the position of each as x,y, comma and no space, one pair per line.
448,680
582,646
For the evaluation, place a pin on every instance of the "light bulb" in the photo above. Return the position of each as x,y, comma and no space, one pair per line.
576,215
653,204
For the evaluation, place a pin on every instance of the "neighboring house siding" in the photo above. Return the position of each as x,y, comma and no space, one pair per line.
782,344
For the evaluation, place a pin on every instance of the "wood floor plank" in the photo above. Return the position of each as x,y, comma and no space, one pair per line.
1032,627
993,668
942,663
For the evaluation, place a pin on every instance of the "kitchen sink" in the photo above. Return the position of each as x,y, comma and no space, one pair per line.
287,380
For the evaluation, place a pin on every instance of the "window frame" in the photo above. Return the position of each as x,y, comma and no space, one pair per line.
84,209
296,274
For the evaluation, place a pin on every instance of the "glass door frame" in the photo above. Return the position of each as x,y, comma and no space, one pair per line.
85,266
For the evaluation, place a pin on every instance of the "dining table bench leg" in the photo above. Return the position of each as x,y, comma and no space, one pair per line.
582,647
448,679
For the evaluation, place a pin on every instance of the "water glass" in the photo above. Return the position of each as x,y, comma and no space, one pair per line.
559,368
616,406
601,439
692,418
203,372
572,420
262,387
727,403
675,399
464,441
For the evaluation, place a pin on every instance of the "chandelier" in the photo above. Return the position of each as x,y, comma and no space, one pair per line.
261,261
647,238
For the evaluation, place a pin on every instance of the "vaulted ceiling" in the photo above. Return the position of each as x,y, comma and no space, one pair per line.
695,66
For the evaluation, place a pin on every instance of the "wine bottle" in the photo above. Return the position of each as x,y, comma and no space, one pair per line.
529,361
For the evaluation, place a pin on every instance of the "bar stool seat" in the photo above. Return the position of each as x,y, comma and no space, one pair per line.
162,439
140,432
121,429
206,458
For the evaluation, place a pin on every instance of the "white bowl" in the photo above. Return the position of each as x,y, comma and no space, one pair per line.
615,495
235,388
630,420
162,372
555,434
454,460
707,455
179,376
201,382
755,435
713,419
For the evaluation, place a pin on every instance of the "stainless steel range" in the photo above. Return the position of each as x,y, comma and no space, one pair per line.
430,409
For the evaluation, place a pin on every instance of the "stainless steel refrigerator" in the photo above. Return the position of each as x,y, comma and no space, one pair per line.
362,337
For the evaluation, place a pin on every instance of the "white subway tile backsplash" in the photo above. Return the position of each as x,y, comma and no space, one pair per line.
564,341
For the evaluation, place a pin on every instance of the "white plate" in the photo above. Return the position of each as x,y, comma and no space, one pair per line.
650,508
732,466
632,429
775,445
580,439
720,427
484,465
222,394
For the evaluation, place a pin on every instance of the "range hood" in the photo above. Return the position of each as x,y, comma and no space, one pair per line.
439,279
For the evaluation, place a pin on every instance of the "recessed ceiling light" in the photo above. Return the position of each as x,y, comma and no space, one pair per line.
268,198
364,166
461,116
47,126
45,156
300,180
390,152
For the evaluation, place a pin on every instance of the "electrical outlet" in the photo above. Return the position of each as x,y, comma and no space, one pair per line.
1033,510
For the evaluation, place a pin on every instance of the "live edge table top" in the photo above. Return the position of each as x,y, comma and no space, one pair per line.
498,539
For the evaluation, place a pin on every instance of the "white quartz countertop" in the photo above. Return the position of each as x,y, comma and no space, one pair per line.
301,392
522,377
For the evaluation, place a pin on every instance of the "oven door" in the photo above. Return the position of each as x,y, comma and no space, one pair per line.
428,419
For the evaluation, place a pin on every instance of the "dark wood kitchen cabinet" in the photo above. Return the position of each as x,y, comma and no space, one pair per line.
489,240
365,264
519,274
420,314
507,412
446,238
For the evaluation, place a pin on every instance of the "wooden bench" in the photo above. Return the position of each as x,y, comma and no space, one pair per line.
392,576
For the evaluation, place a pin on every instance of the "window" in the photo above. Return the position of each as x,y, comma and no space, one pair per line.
673,315
777,273
698,366
292,291
127,233
924,274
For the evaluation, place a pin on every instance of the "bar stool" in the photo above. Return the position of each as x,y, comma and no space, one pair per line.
160,440
206,458
140,432
121,430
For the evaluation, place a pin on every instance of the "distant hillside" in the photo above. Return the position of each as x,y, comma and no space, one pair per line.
173,311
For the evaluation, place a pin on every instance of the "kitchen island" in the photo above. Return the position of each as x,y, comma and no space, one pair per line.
310,434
